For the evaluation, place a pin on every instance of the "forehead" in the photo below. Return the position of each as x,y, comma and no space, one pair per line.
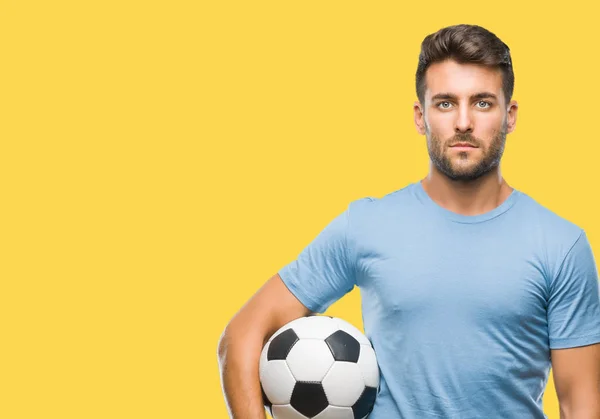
462,80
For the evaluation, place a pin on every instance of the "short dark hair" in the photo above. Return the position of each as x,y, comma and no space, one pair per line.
465,44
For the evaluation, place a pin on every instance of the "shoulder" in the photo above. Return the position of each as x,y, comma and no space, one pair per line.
548,222
552,235
370,206
370,217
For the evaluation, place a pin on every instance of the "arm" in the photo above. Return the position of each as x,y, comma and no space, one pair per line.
321,274
576,373
242,341
574,333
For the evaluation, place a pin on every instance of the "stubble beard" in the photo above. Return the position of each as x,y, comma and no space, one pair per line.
460,166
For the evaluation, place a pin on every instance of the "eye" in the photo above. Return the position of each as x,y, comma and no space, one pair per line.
485,103
439,105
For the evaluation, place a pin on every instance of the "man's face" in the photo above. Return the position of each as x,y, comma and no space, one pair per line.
464,105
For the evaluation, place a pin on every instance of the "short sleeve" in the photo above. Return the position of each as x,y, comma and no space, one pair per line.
574,303
324,271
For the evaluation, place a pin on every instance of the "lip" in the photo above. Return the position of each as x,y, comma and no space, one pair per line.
462,146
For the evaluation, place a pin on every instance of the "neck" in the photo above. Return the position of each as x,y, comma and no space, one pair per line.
473,197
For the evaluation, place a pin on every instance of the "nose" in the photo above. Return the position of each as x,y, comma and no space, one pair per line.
464,121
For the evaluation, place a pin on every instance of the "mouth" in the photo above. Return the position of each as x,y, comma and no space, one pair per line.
463,146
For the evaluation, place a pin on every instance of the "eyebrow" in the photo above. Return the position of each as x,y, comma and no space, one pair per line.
481,95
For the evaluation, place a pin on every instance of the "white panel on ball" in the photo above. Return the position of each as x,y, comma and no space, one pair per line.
336,412
286,412
343,384
262,362
315,327
309,360
351,330
284,328
277,381
367,362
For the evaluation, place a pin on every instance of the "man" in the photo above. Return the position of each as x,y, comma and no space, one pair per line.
471,290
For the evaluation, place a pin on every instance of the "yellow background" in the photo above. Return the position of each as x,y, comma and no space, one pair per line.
161,160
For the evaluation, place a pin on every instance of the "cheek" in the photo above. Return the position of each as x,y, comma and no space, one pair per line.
441,126
489,123
488,132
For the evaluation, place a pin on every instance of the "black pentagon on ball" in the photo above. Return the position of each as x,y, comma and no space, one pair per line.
365,402
281,345
266,401
309,398
343,346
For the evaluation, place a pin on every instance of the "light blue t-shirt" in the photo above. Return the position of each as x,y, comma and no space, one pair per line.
462,311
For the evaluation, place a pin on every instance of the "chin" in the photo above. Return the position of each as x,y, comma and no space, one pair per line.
464,172
463,176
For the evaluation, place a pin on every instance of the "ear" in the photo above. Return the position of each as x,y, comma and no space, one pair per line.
419,118
511,118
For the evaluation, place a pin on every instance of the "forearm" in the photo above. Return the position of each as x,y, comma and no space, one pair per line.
238,364
589,411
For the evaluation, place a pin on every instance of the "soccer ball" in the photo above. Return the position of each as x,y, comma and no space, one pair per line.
318,367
